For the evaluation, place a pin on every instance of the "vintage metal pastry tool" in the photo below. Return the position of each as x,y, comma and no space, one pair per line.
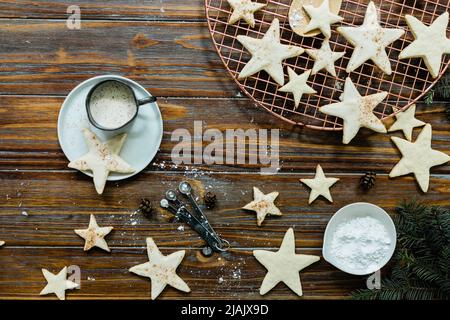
194,217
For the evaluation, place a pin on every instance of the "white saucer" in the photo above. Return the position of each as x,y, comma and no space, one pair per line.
144,133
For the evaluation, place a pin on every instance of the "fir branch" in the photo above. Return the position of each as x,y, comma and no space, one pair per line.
443,87
441,90
429,97
444,261
421,262
393,290
432,276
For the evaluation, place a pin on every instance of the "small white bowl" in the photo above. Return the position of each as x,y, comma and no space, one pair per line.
352,211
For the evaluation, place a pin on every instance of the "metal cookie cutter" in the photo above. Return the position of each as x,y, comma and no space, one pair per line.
195,218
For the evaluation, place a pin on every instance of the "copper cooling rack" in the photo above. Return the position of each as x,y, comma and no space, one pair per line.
408,82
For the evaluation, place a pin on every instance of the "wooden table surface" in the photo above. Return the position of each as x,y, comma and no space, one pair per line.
164,45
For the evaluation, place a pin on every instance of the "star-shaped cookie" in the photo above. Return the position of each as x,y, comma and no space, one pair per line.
102,158
263,205
418,158
57,284
297,85
324,58
321,18
161,269
94,235
284,265
370,41
356,111
320,185
430,43
268,53
406,122
244,9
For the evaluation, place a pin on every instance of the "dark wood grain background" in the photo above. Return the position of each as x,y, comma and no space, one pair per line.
165,46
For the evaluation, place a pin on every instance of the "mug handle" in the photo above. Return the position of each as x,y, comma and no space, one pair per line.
146,100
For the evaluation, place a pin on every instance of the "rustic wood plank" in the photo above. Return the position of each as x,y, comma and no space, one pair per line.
44,57
29,139
241,273
177,59
54,210
176,10
111,9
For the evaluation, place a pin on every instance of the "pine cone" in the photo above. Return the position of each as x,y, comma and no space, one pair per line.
146,207
367,181
210,200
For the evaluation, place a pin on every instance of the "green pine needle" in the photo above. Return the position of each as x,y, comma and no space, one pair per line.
442,91
429,97
421,262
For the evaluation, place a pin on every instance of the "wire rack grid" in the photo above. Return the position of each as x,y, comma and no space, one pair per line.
409,81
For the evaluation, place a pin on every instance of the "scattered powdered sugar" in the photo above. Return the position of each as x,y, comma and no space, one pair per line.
295,18
134,218
361,243
236,273
338,85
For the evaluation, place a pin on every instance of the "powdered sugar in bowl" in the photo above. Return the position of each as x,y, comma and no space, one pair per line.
359,239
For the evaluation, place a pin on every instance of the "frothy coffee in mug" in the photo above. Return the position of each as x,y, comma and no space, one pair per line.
112,104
